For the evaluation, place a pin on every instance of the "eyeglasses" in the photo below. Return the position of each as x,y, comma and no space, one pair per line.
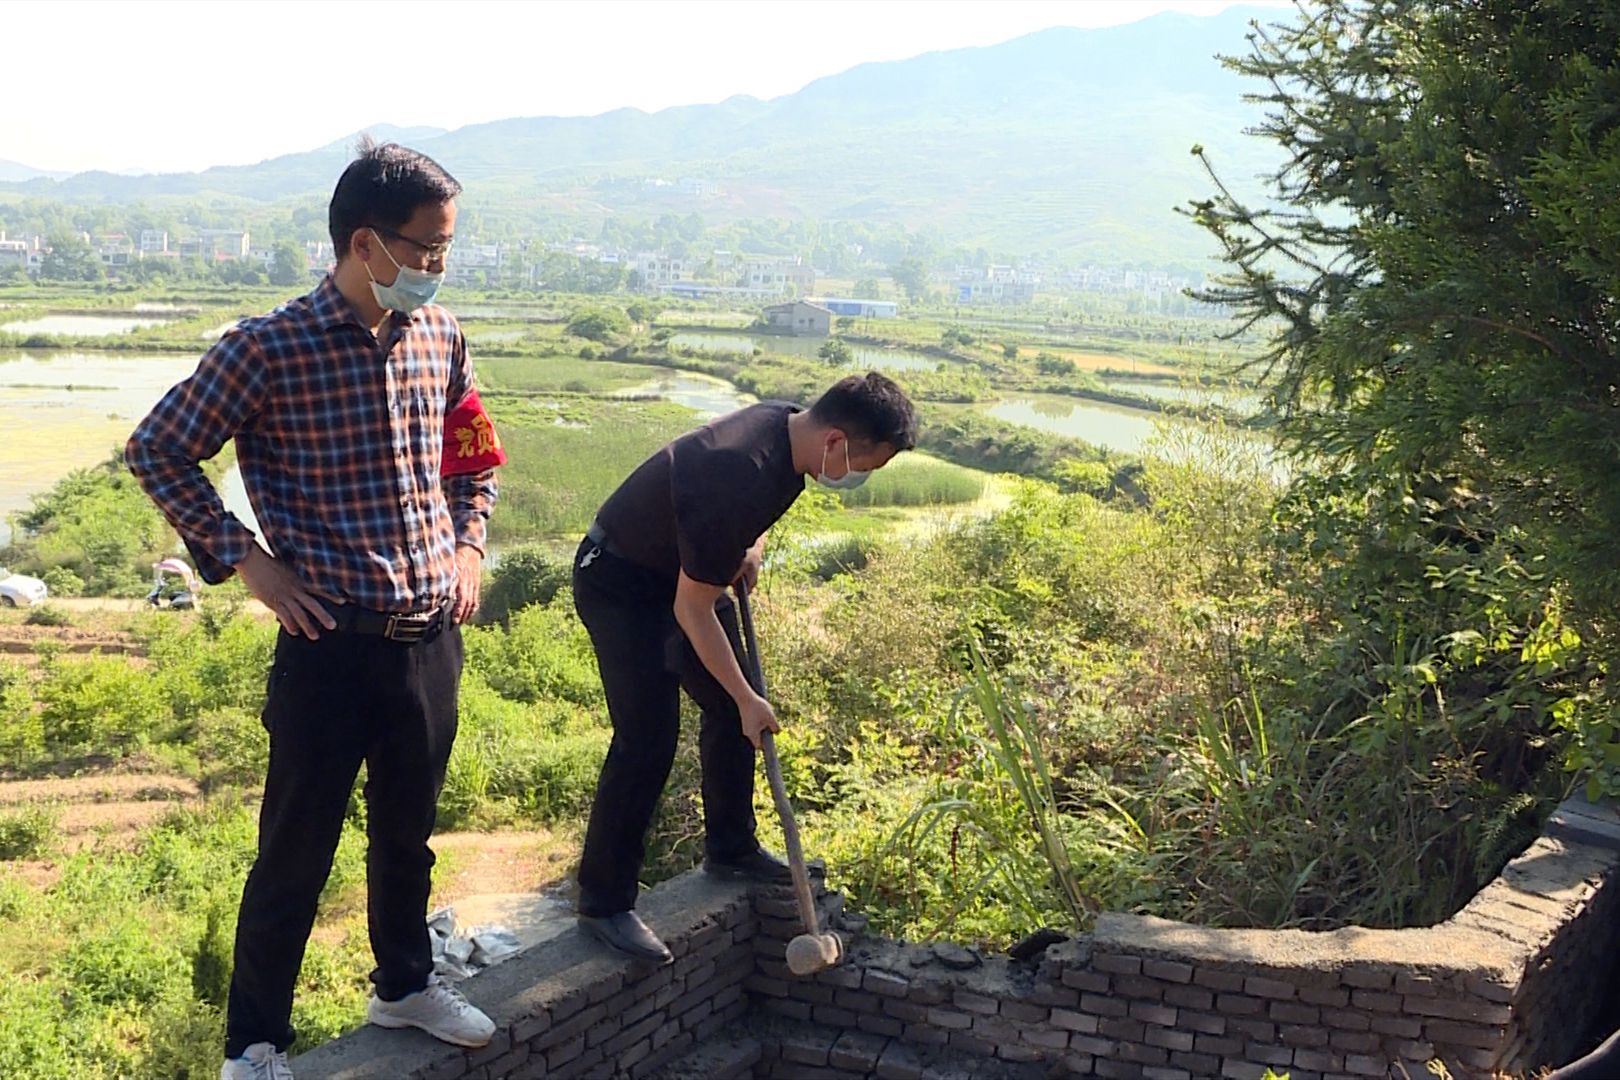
433,253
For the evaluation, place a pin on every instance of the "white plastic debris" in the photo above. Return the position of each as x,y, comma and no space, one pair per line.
457,954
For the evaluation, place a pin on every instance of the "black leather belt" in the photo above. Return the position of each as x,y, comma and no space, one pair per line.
394,625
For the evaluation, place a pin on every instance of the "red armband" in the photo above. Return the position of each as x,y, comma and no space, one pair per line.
470,442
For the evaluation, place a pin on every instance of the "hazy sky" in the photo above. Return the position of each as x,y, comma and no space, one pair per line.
178,85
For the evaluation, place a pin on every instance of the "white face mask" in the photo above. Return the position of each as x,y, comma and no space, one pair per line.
411,288
852,478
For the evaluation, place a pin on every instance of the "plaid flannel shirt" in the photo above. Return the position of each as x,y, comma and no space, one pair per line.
339,437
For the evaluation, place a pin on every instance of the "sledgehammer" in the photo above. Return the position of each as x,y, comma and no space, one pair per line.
811,951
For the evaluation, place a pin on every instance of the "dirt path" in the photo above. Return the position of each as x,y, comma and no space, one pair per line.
20,641
109,810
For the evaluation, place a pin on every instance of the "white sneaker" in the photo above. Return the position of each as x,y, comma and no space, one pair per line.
261,1061
439,1010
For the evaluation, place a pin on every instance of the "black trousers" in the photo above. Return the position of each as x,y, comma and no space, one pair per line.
645,661
332,703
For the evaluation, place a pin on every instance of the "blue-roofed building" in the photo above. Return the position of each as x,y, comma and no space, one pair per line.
862,309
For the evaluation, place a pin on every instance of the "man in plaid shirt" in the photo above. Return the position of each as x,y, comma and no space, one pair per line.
370,468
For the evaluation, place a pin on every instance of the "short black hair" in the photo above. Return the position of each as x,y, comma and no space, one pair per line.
384,185
870,408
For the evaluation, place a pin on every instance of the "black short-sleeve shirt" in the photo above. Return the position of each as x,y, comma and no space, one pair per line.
699,504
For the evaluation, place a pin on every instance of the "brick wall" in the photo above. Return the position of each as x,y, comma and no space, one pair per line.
1506,984
570,1009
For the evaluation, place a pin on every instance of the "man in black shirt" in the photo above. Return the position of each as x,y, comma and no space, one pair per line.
650,586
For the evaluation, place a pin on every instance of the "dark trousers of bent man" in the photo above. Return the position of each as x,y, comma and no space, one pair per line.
333,703
646,661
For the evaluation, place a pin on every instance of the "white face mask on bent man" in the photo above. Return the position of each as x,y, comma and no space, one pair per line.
411,289
852,478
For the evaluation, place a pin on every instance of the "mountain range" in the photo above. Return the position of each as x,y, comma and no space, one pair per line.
1066,142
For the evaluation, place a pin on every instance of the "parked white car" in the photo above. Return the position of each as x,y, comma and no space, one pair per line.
20,590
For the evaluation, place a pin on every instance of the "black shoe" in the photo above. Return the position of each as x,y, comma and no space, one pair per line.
626,933
758,865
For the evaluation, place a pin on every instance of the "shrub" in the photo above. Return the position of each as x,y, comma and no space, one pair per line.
22,731
26,833
60,581
544,654
526,574
835,352
123,961
100,705
47,615
233,747
601,325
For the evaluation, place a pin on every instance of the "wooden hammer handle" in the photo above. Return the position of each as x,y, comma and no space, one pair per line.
773,770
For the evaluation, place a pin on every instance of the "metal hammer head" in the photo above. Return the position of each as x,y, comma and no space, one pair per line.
810,953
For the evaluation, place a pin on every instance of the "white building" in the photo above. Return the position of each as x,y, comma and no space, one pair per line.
995,284
223,243
13,253
659,271
154,241
778,275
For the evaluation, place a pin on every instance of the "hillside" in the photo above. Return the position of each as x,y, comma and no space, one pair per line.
1067,141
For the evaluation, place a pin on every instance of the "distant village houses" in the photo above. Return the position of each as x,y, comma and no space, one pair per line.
995,284
799,317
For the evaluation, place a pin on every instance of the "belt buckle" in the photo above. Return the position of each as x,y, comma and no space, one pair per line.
403,627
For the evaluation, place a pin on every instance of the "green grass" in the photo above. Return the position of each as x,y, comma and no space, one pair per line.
918,480
564,459
558,374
